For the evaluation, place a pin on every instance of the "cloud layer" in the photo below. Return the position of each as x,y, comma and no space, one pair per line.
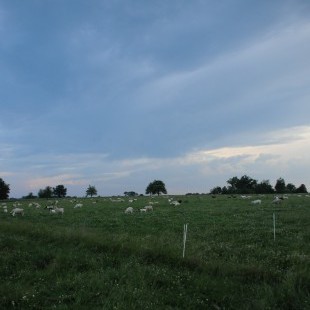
117,94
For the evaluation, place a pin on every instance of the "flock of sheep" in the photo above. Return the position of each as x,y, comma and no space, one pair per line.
149,207
54,209
276,200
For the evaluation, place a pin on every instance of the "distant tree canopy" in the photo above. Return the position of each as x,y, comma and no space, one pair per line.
4,190
156,187
131,194
47,192
244,185
290,188
30,196
264,187
280,186
301,189
91,191
247,185
60,191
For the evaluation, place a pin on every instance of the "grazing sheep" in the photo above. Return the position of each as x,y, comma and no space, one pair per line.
256,202
17,211
59,210
276,200
78,205
175,203
117,200
148,208
52,211
245,197
283,197
37,205
17,205
143,210
129,210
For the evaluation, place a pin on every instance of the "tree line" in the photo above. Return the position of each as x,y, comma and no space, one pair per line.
248,185
243,185
60,191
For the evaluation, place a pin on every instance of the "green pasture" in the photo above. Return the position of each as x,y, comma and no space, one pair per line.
98,257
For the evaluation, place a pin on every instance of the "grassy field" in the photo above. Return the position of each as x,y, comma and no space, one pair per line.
98,257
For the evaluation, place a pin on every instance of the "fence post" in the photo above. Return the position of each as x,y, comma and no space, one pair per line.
184,238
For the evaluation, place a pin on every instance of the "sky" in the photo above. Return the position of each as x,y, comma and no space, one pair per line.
118,93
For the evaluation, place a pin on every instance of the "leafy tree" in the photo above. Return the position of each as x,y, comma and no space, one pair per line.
131,194
4,190
233,184
156,187
290,188
47,192
280,186
216,190
91,191
225,190
60,191
244,185
302,189
264,187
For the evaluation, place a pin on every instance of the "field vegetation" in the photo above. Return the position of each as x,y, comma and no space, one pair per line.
98,257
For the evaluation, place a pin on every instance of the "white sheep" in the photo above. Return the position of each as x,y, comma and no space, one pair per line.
143,210
78,205
175,203
117,200
129,210
148,208
37,205
59,210
256,202
17,211
16,204
276,200
245,197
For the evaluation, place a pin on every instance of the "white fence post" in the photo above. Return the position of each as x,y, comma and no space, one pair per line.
184,238
274,227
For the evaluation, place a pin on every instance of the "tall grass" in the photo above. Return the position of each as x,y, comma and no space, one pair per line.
97,257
